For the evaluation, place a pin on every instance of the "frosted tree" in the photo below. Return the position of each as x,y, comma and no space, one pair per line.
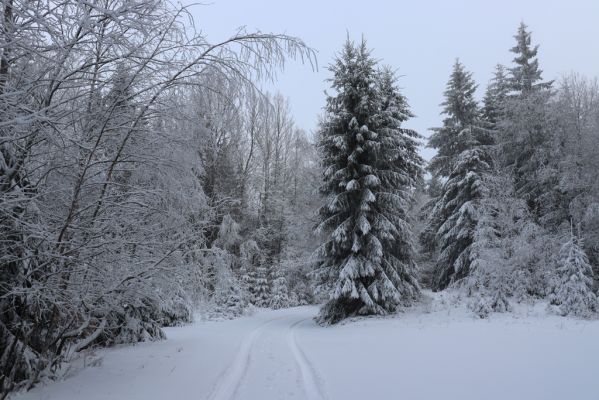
228,298
248,253
228,234
490,279
457,211
228,288
434,187
279,296
527,127
462,117
577,157
261,291
573,287
364,160
103,220
495,97
394,111
461,143
525,74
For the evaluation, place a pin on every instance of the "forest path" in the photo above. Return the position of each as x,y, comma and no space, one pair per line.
271,364
437,350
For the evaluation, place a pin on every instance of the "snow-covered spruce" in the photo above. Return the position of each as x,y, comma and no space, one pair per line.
370,164
573,287
526,129
489,283
459,209
461,143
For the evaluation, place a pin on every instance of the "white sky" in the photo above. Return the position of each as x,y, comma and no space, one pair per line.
421,39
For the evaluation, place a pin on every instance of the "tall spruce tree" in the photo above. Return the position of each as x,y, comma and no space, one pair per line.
461,143
365,261
527,126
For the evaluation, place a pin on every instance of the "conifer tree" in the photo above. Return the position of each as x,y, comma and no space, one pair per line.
461,142
434,187
527,127
458,212
526,74
247,254
366,169
280,291
573,292
261,290
495,97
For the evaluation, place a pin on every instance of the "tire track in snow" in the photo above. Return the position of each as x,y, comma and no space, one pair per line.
312,383
230,379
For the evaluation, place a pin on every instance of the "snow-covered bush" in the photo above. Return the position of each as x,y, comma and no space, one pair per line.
175,309
229,302
135,322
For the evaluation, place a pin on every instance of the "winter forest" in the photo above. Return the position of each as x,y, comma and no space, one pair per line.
156,189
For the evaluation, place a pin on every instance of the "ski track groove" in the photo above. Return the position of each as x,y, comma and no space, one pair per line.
229,381
312,383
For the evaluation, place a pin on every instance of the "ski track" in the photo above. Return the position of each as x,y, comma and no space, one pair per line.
312,383
231,378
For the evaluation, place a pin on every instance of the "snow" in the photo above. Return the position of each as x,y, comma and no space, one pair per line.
435,351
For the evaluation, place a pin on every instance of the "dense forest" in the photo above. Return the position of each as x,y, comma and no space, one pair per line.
145,176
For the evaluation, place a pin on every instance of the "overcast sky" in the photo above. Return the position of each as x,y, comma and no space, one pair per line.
421,39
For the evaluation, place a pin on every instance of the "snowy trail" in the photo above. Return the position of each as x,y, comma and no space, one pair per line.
270,364
229,381
284,355
313,385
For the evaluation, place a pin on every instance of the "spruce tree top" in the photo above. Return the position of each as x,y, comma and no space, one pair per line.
526,73
460,129
353,80
459,105
496,95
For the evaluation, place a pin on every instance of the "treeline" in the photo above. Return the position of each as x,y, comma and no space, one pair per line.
509,214
142,175
516,216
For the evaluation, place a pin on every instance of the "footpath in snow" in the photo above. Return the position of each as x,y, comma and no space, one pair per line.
431,352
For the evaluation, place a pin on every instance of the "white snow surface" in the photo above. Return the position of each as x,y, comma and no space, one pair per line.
435,351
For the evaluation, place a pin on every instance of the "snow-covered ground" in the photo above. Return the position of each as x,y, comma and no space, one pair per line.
436,351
